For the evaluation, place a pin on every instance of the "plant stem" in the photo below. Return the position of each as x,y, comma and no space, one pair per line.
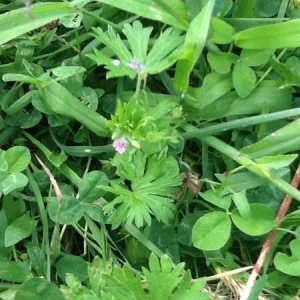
138,86
269,241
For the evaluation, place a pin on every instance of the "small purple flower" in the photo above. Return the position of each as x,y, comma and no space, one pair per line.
135,65
120,145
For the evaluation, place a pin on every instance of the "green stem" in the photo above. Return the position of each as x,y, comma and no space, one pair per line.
268,71
138,86
102,20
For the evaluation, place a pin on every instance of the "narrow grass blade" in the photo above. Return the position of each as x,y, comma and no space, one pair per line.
192,132
81,151
44,220
194,43
249,164
285,139
143,240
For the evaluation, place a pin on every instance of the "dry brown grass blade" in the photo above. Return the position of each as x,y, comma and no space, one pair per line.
269,241
52,180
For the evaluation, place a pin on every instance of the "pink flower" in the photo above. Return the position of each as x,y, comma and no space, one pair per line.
120,145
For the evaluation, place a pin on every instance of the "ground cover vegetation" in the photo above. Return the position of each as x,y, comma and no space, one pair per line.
149,149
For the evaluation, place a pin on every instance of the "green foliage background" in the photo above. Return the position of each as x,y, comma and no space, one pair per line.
205,94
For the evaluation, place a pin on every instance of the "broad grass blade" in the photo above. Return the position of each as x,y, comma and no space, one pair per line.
273,36
17,22
151,10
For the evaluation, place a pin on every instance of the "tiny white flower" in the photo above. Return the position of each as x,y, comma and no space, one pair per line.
116,62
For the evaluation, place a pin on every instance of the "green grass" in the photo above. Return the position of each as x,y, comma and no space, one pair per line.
144,144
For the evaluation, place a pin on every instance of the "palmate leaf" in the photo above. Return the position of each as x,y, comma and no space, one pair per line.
138,39
153,182
113,41
124,284
164,52
160,178
162,281
161,56
162,278
166,281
